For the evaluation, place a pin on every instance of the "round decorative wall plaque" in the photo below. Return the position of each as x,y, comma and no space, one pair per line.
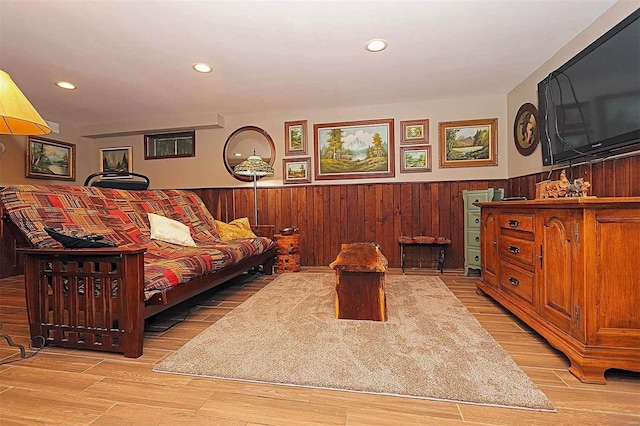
525,129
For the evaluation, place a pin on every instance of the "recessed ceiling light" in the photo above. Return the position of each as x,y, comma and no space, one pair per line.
65,85
202,67
376,45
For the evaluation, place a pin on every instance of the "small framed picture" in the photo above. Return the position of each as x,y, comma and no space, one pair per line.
415,131
415,158
295,137
49,159
296,170
468,143
116,160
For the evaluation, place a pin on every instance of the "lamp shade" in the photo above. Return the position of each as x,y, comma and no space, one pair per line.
253,166
17,115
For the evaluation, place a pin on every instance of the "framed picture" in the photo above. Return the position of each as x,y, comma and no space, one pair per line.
49,159
415,158
415,131
295,137
468,143
525,129
116,159
355,149
296,170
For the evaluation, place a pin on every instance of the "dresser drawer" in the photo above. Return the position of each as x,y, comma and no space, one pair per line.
473,238
519,222
473,220
516,248
516,281
479,197
472,256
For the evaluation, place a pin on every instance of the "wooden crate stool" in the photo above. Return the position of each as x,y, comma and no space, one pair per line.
288,258
360,293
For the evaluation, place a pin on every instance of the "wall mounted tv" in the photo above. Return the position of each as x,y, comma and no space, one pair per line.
590,106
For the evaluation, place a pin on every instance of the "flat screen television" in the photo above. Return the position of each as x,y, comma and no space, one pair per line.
590,106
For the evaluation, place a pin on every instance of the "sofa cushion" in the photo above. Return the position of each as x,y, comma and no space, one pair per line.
169,230
235,229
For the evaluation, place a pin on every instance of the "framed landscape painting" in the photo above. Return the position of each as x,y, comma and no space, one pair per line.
468,143
296,170
354,149
415,158
295,137
116,159
49,159
415,131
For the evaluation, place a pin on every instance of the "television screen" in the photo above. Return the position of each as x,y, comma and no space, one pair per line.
591,105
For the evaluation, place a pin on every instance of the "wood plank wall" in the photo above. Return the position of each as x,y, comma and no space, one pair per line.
328,215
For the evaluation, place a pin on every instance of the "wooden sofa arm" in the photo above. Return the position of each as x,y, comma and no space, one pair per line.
86,298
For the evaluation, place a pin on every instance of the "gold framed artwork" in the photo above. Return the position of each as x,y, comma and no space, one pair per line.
415,158
295,137
415,131
116,160
49,159
296,170
468,143
354,149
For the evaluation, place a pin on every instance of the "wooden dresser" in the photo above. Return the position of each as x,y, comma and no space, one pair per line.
570,269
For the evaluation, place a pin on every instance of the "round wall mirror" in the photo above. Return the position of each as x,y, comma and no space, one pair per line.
242,143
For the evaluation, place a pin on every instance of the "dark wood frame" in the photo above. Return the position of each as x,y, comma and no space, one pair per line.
267,137
524,145
406,149
148,139
406,125
389,173
30,173
285,175
288,125
110,321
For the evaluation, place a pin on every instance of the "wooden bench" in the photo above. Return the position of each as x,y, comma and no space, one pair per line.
439,242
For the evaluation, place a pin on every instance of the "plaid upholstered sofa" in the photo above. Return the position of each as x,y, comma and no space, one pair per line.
99,298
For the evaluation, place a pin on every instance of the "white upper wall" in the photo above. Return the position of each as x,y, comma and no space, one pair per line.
527,90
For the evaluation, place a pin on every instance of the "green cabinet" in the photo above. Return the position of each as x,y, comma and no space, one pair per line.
472,223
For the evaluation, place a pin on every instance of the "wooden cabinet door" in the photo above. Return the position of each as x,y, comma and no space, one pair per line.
554,269
489,240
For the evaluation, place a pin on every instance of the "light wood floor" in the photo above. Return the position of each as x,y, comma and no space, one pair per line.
60,386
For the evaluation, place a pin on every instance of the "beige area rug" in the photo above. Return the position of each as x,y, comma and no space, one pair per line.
431,347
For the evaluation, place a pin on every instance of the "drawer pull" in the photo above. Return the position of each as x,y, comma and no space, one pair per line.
514,223
477,239
514,249
514,281
477,258
477,220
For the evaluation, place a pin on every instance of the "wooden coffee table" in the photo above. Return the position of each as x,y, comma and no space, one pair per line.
360,294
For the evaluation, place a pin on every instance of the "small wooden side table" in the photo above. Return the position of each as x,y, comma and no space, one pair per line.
440,242
360,293
288,258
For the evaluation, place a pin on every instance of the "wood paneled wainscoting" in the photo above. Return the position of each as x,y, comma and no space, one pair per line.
329,215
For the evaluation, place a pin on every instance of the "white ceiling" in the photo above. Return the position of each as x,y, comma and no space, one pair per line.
131,60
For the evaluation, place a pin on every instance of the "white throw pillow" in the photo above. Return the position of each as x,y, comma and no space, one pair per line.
170,231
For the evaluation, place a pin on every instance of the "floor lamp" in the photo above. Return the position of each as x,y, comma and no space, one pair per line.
254,166
17,117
